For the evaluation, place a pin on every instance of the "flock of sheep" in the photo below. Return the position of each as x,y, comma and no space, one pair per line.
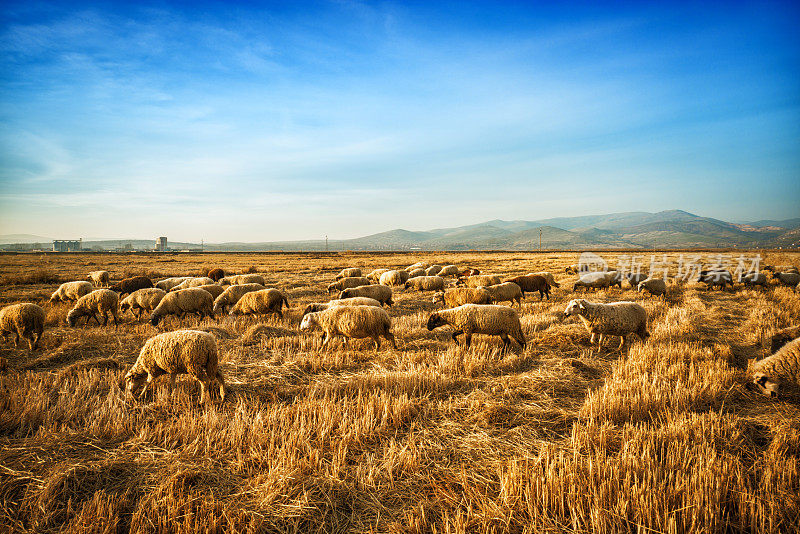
471,307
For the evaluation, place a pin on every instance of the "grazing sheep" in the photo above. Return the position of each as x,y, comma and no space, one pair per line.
426,283
216,274
352,301
180,352
755,279
350,281
375,274
348,273
71,291
654,286
462,295
433,270
547,276
788,278
614,319
261,302
193,282
490,319
448,270
634,279
781,368
241,279
780,268
715,278
142,300
479,280
215,289
418,265
351,322
414,274
784,336
598,280
382,294
191,300
507,291
168,283
232,294
99,301
468,272
394,278
23,320
129,285
577,268
532,282
99,278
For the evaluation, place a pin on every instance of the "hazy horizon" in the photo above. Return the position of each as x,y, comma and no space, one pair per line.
270,122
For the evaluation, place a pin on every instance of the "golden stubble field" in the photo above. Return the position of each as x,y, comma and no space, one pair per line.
428,438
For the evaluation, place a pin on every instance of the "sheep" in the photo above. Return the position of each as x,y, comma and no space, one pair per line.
23,320
352,301
469,272
351,322
193,282
784,336
142,300
755,279
598,280
216,274
99,301
780,268
191,300
787,278
380,293
577,268
532,282
215,289
433,270
348,273
634,279
462,295
414,274
129,285
350,281
507,291
375,274
654,286
426,283
479,280
448,270
490,319
547,276
168,283
241,279
71,291
99,278
260,302
715,278
781,368
418,265
180,352
394,278
232,294
614,319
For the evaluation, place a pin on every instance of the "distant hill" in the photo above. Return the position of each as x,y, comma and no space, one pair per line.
636,229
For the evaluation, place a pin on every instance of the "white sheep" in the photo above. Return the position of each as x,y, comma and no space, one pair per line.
426,283
215,289
71,291
348,273
261,302
614,319
99,278
375,274
489,319
654,286
344,283
241,279
195,281
352,301
418,265
232,294
382,294
23,320
479,280
142,300
168,283
99,301
356,322
507,291
598,280
457,296
778,369
784,336
547,276
449,270
181,302
394,278
433,270
180,352
414,274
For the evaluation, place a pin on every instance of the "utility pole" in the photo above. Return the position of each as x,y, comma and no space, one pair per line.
540,239
202,245
326,243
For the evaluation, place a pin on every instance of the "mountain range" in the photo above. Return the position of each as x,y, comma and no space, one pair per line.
665,229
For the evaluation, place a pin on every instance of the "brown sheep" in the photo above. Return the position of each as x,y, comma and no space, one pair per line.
532,283
216,274
129,285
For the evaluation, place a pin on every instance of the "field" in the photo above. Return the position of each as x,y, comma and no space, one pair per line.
433,437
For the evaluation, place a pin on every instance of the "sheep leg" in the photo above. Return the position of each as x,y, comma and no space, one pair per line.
116,321
600,343
377,340
147,384
457,333
95,318
205,397
591,340
621,342
221,383
468,337
506,343
16,341
105,318
390,337
325,339
172,377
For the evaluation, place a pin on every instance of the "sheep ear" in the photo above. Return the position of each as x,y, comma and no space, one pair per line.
581,304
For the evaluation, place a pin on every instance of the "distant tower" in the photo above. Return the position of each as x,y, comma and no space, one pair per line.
326,243
161,244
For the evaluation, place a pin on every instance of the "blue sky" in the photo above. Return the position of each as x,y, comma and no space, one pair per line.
260,121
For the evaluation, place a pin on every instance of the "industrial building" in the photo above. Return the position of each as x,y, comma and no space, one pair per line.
66,245
161,244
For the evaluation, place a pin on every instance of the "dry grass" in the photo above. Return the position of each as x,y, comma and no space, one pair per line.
430,438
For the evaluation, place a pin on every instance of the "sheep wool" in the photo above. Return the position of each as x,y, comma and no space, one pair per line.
241,279
98,302
142,300
168,283
375,274
597,280
71,291
99,278
129,285
193,282
215,289
531,283
24,320
784,336
755,279
355,322
418,265
414,274
433,270
348,273
788,279
448,270
382,294
614,319
655,286
778,370
394,278
489,319
457,296
232,294
216,274
547,276
352,301
180,352
426,283
350,281
479,280
507,291
183,301
713,278
261,302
